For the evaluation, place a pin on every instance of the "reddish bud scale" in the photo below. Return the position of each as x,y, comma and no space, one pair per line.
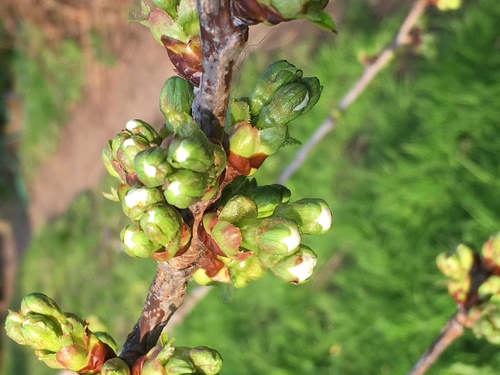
186,57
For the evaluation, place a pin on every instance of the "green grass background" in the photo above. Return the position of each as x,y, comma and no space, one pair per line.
411,171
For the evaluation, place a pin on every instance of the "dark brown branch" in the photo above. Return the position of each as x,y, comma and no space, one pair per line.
222,43
165,296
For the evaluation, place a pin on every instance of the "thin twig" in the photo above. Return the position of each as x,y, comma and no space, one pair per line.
370,72
453,329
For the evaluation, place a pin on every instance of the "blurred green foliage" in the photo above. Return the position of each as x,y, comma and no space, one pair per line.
49,79
410,171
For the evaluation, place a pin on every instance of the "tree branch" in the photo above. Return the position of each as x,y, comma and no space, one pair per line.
450,332
222,43
359,86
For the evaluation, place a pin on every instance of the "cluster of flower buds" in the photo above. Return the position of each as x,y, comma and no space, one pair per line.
61,340
256,228
174,24
456,266
162,174
275,11
170,360
258,125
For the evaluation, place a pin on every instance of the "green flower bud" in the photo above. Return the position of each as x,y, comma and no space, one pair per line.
488,324
137,244
137,200
110,163
115,366
491,250
39,303
42,332
276,76
268,197
74,357
163,224
169,6
238,208
107,339
152,167
227,236
490,288
244,139
193,153
185,188
49,358
312,215
272,238
176,99
13,327
179,366
207,361
288,104
456,265
128,150
298,267
242,272
146,131
459,289
272,139
314,88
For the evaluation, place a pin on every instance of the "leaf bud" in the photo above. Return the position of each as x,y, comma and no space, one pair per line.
193,153
298,267
115,366
146,131
176,99
137,244
311,214
275,76
152,167
162,224
185,187
137,200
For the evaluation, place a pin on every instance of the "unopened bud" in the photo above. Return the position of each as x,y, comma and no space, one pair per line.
137,200
179,366
137,244
298,267
163,224
39,303
146,131
115,366
185,188
491,250
13,324
490,289
273,238
456,265
128,150
152,167
276,76
268,197
207,361
193,153
176,99
288,104
242,272
244,139
42,332
312,215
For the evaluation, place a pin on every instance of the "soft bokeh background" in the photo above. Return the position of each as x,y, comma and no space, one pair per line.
411,171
